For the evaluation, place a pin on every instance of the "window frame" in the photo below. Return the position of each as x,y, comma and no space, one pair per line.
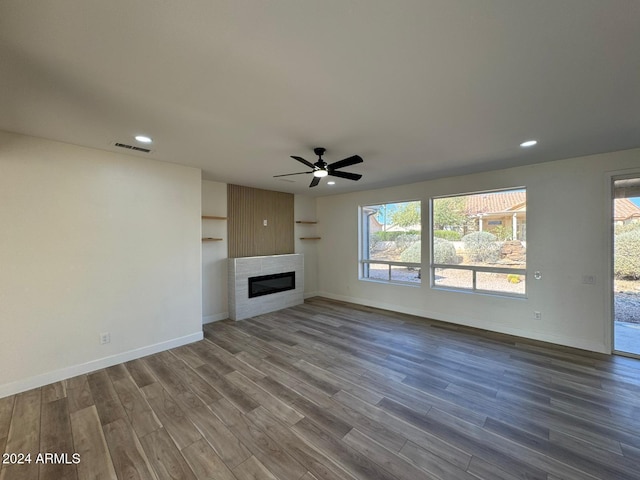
473,268
363,248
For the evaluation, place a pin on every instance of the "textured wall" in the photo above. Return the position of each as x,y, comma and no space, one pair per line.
248,208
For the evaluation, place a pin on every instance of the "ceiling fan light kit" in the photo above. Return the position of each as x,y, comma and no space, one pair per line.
321,168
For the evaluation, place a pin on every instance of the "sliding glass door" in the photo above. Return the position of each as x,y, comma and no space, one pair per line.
626,265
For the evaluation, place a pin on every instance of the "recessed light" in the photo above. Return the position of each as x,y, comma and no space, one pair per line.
143,139
331,183
529,143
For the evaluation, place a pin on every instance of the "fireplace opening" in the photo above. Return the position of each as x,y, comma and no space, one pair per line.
268,284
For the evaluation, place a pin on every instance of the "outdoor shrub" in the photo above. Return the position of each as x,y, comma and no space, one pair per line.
411,254
629,227
482,247
444,252
502,232
406,240
447,235
383,236
626,254
513,278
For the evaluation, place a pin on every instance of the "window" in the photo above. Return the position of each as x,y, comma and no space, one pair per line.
390,242
479,242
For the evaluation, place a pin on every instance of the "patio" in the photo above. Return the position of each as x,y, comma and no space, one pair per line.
627,337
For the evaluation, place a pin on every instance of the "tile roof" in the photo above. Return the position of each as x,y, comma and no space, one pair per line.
623,209
516,201
496,202
499,202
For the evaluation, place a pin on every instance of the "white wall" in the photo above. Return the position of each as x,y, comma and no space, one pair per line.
214,254
567,237
91,242
305,209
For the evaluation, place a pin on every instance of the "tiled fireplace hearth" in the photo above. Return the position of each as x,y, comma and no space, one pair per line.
240,269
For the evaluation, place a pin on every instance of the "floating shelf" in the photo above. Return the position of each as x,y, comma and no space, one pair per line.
212,217
310,238
306,222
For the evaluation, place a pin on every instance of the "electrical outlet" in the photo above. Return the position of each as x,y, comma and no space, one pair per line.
264,222
537,315
105,338
588,279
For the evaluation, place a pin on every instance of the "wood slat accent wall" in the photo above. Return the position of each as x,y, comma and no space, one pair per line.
247,208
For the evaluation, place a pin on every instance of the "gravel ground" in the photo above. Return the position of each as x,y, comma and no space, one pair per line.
450,278
398,274
496,282
627,307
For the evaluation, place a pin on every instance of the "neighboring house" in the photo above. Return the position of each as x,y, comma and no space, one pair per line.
371,214
625,211
499,210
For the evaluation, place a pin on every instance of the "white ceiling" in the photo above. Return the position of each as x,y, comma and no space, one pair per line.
420,89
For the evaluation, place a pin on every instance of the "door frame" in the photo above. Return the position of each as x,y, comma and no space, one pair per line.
609,337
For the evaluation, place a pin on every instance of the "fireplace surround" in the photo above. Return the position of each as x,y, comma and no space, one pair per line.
270,267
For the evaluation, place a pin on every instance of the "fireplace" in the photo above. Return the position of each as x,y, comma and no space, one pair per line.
268,284
281,275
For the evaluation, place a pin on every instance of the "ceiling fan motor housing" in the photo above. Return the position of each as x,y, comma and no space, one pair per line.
320,164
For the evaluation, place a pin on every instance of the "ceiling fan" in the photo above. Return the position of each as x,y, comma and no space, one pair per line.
322,169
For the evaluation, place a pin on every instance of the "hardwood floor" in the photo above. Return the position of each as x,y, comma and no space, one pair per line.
327,391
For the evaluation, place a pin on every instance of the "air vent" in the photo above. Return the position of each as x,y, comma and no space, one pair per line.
132,147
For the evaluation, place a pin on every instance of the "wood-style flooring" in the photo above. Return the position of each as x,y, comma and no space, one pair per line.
328,390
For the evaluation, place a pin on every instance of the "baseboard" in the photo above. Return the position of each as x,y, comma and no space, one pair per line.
381,305
75,370
582,344
310,294
215,318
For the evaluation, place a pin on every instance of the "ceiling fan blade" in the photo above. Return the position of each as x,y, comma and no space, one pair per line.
314,182
288,174
346,162
302,160
348,175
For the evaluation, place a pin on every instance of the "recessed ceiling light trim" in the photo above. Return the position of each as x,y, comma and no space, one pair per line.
528,143
143,139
